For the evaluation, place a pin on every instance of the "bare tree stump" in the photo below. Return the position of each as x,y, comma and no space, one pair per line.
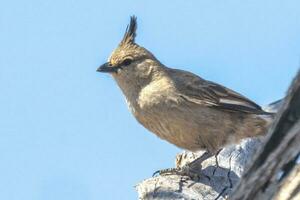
214,182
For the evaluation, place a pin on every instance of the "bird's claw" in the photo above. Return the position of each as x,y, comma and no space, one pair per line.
166,171
191,170
181,171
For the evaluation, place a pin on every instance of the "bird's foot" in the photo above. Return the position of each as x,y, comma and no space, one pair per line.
166,171
192,170
181,171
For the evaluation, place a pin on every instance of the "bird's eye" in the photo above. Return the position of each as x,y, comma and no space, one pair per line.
127,61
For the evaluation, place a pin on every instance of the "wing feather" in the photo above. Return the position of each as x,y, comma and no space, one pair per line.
197,90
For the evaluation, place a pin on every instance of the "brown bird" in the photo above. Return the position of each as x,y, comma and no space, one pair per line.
179,106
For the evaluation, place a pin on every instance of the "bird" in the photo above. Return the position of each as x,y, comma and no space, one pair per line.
179,106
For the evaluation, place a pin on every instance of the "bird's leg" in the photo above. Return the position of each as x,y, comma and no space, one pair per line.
216,157
186,170
217,162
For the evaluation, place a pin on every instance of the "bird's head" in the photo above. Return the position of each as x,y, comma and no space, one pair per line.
130,63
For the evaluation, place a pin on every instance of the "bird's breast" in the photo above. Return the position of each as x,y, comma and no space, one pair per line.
170,120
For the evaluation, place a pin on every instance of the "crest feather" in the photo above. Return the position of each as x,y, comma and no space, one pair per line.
130,32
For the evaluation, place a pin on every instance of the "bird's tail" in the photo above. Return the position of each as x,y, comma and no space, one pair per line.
272,108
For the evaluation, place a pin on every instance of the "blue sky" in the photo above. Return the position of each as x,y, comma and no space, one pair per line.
65,130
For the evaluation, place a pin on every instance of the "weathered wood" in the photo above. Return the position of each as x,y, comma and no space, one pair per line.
290,188
214,182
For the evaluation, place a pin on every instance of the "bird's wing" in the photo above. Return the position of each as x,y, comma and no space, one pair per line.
200,91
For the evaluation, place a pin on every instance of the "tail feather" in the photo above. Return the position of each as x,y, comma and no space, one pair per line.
273,107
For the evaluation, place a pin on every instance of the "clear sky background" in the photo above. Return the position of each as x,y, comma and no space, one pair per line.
65,130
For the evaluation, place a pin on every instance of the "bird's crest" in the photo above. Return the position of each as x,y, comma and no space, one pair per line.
130,32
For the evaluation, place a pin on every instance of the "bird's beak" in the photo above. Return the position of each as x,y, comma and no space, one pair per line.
106,68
